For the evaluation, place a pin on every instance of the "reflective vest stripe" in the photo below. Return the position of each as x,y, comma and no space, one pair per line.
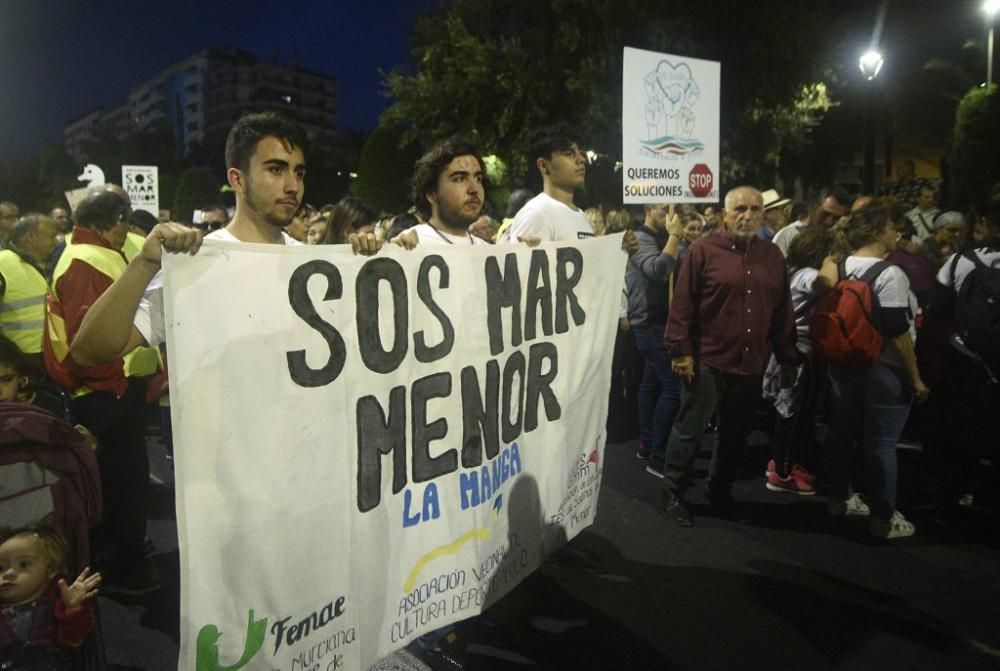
10,306
24,326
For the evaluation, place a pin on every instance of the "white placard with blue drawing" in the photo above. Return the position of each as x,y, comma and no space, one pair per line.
670,128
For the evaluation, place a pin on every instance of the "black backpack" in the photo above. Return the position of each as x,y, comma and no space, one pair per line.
977,310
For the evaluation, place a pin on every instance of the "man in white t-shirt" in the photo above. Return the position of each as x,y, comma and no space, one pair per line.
551,215
448,190
265,155
830,211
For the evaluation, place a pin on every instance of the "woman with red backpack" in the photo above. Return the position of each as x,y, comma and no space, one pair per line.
873,388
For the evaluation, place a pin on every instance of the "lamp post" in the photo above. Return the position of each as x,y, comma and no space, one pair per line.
990,7
870,65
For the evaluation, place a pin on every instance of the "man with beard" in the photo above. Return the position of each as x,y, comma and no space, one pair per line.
265,155
732,305
448,190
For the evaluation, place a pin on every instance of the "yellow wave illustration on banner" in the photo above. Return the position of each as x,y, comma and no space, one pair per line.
482,533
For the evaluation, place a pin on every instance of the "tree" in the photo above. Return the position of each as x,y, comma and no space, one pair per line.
197,187
384,170
975,150
498,68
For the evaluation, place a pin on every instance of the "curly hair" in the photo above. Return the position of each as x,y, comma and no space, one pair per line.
810,247
429,167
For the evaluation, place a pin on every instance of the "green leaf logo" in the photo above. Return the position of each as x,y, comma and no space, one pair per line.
207,646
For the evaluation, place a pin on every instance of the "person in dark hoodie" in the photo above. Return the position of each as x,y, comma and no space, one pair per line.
646,283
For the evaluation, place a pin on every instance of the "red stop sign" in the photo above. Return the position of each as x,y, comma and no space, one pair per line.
701,180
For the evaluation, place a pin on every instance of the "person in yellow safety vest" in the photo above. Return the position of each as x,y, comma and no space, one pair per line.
105,400
24,282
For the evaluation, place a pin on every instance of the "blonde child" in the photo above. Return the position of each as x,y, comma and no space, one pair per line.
43,619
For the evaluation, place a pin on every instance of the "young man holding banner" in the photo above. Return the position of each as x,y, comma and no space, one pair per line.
266,167
551,215
448,189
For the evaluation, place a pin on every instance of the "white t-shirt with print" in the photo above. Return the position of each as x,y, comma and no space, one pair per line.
149,319
964,266
550,219
783,238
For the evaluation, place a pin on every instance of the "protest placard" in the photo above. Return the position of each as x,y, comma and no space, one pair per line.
670,128
368,449
142,183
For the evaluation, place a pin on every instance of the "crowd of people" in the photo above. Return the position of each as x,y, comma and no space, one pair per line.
851,318
726,306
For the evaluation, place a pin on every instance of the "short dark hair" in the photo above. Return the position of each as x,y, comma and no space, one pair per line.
11,355
839,194
348,215
429,167
101,211
517,200
401,222
143,219
798,209
26,224
544,141
251,128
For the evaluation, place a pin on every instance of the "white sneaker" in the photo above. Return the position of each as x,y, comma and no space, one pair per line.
895,527
854,506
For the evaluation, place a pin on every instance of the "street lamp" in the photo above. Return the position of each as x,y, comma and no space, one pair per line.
871,61
870,65
990,7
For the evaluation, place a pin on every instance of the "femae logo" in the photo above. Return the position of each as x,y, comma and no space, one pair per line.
207,646
671,93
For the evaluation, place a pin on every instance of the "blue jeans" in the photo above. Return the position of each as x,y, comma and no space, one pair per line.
659,392
868,408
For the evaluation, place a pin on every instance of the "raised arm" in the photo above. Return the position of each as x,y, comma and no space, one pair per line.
107,332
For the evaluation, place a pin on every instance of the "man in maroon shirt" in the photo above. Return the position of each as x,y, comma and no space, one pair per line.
732,306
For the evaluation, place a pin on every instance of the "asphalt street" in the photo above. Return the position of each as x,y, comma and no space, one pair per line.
790,590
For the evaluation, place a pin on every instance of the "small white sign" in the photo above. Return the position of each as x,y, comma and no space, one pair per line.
142,183
670,128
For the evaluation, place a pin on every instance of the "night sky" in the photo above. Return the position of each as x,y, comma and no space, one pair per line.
61,59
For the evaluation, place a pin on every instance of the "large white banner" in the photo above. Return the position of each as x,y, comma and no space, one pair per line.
670,128
368,449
